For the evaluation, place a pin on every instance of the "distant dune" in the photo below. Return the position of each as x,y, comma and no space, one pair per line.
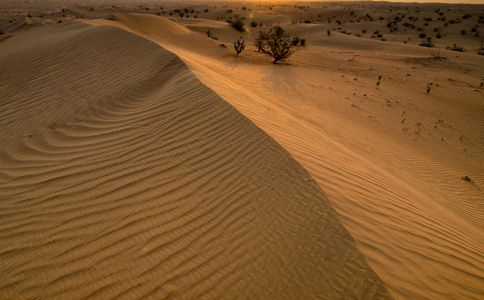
140,158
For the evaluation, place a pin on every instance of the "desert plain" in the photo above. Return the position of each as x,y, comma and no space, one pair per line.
140,158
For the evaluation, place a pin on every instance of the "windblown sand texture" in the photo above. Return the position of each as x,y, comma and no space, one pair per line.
123,176
139,158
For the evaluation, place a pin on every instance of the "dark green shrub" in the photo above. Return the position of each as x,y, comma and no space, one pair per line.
253,24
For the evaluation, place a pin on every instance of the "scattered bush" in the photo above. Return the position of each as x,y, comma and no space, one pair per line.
463,32
239,46
456,48
253,24
422,35
276,43
237,25
427,43
429,87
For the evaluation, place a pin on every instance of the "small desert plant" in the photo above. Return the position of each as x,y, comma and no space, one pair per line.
237,25
295,40
328,32
276,43
259,41
456,48
427,43
379,81
303,42
463,32
209,34
239,46
253,24
429,87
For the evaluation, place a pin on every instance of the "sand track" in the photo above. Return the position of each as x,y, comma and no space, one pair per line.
123,176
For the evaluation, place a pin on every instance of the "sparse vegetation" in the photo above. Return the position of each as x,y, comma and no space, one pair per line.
427,43
237,25
378,82
276,43
239,46
429,87
209,34
456,48
253,24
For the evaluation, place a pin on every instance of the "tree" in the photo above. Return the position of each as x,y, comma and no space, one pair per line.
239,46
276,43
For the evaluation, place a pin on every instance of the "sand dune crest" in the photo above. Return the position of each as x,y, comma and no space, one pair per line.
123,176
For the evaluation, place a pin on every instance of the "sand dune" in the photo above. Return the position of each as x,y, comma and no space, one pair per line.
123,176
390,159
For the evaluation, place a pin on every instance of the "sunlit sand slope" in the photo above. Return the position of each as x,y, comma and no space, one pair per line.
121,175
390,158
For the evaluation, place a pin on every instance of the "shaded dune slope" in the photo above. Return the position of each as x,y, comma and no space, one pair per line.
121,175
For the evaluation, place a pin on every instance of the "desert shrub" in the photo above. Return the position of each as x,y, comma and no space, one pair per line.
229,11
328,32
303,42
259,41
463,32
436,29
466,16
253,24
427,43
239,46
456,48
427,19
474,29
480,52
276,43
364,31
206,10
237,25
422,35
295,40
439,35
